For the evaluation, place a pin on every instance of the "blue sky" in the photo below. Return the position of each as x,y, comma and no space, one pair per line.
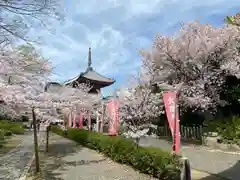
115,29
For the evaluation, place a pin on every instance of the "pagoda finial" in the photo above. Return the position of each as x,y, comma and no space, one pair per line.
89,58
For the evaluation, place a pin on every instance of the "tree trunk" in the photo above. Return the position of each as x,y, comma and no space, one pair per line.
35,141
47,139
137,141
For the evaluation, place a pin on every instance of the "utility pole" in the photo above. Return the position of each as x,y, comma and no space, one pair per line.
35,141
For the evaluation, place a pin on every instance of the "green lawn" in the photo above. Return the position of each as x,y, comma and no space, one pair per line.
8,129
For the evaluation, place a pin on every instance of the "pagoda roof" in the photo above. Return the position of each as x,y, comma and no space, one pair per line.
91,75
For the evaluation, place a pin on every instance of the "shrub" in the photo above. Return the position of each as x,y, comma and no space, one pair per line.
14,127
7,133
24,118
230,129
1,138
152,161
1,135
17,130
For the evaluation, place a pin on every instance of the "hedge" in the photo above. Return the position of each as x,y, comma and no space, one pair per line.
152,161
1,138
14,127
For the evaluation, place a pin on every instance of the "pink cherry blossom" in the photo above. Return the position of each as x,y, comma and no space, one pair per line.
199,56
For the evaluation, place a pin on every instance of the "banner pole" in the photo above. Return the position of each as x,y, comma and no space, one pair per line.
175,125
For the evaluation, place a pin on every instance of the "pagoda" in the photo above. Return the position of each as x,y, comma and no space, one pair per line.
91,77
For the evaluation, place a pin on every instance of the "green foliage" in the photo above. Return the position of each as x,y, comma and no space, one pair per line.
14,127
233,20
7,133
17,130
152,161
24,119
229,20
1,138
1,135
5,116
228,129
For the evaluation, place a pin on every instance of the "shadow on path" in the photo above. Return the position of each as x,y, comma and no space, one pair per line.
232,173
56,161
223,164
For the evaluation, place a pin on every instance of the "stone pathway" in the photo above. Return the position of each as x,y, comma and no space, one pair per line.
11,143
68,161
197,175
13,163
224,164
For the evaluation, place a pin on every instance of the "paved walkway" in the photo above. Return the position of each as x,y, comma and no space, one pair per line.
13,163
225,164
68,161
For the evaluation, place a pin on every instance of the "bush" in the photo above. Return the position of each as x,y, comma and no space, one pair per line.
1,138
228,129
152,161
17,130
7,133
14,127
1,135
24,119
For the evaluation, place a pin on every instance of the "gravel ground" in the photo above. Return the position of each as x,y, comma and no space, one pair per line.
68,161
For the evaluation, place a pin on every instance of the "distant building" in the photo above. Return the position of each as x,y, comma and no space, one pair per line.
90,76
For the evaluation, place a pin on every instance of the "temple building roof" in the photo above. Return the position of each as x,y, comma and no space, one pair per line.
91,75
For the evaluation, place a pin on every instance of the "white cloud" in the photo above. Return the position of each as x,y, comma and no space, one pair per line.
115,29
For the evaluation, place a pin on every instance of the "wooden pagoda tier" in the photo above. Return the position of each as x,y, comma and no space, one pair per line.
91,77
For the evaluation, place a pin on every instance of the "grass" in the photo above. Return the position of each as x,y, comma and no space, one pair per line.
8,132
13,127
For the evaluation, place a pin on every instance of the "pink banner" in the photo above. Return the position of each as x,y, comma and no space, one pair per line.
74,120
80,122
89,122
113,116
110,108
116,116
69,119
169,99
64,120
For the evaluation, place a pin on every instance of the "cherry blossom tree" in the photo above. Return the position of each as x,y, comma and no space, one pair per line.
199,57
19,16
7,112
73,99
23,80
233,20
138,106
21,75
